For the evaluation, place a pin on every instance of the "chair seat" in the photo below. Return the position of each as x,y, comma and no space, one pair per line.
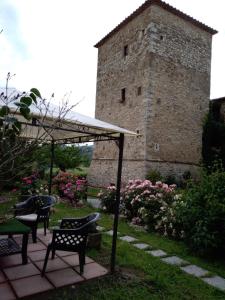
28,218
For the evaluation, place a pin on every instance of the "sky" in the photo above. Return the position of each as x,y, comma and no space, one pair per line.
49,44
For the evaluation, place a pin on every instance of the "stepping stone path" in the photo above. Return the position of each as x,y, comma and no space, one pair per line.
128,239
99,228
110,232
215,281
195,271
141,246
157,253
175,260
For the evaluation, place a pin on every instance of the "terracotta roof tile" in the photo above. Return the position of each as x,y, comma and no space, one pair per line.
162,4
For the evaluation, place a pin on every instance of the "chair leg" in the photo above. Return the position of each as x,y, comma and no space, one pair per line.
81,262
34,234
45,226
53,253
46,260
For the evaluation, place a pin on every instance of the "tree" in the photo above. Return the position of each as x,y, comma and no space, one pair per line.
15,112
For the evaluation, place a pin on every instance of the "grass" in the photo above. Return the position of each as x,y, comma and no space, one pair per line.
138,275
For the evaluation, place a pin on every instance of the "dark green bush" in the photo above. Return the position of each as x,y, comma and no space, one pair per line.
202,213
154,176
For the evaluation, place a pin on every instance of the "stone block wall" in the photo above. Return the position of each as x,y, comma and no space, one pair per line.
168,59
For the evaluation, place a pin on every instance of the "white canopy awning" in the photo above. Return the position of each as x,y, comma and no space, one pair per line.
64,127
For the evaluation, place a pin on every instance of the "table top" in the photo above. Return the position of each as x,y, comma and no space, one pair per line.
13,226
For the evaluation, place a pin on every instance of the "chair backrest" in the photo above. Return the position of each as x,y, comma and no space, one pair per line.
74,223
70,236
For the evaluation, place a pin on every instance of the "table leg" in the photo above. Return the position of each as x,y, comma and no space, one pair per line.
24,248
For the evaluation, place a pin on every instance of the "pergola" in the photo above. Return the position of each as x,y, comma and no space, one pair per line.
77,128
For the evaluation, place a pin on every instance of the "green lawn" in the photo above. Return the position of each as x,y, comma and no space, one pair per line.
138,275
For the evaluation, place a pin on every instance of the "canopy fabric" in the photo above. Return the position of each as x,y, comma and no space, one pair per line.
51,122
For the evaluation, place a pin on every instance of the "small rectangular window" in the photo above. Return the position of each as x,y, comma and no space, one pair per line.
123,95
139,91
125,50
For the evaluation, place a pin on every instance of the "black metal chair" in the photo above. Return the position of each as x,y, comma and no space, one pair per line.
72,236
33,211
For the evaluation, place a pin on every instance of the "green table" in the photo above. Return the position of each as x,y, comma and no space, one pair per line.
8,246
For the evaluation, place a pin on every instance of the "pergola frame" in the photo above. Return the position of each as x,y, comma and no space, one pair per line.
85,135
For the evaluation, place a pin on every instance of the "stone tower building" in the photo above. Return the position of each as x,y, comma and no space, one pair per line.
153,78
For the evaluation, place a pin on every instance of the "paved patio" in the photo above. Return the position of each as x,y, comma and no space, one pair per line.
17,280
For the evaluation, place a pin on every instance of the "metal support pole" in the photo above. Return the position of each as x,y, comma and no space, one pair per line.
116,214
51,168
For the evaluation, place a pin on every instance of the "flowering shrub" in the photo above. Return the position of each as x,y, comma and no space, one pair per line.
29,184
148,203
108,199
65,184
70,186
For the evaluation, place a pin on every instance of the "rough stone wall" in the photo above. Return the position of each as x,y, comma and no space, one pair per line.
179,85
169,59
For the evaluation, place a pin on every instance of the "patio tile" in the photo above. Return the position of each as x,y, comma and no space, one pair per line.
157,253
195,270
73,260
46,239
37,255
2,277
35,247
10,260
21,271
174,260
92,270
31,285
128,239
64,277
142,246
216,281
41,231
61,253
52,265
6,292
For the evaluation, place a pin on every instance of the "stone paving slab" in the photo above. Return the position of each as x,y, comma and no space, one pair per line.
52,265
110,232
37,255
2,277
215,281
195,271
73,260
21,271
174,260
92,270
128,239
6,292
36,247
100,228
157,253
31,285
64,277
142,246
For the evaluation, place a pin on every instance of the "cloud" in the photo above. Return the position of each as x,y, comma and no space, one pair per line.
9,22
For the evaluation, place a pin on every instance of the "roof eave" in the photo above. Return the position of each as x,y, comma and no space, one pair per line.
162,4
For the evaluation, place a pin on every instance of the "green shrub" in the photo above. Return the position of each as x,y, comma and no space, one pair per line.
202,213
154,176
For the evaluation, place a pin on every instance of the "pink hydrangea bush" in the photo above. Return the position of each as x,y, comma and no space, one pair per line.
148,203
108,199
